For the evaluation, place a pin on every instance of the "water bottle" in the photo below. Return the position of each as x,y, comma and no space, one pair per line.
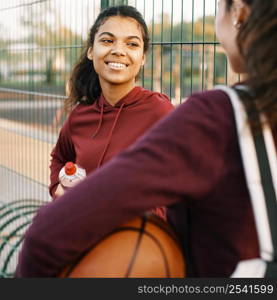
71,174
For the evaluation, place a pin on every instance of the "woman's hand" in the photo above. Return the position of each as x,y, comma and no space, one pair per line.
59,191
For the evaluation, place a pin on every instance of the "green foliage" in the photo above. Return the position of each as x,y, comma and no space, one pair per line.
57,39
185,32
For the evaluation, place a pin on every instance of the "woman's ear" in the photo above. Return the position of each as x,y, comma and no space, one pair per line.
240,12
90,53
143,60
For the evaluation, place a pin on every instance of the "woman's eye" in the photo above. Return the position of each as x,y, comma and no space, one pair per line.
133,44
106,41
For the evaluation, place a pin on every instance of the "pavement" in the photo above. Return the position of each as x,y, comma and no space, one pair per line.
25,151
24,174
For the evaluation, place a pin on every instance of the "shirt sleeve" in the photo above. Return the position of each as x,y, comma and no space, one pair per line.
62,152
179,159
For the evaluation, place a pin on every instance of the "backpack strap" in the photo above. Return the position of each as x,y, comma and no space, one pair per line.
260,166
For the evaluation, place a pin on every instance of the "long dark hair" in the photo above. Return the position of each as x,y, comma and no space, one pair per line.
257,40
83,84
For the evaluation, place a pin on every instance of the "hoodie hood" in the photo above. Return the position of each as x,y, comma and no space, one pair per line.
131,98
137,94
103,106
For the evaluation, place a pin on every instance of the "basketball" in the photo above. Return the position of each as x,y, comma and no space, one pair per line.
145,247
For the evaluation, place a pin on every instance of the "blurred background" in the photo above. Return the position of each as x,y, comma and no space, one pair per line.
40,42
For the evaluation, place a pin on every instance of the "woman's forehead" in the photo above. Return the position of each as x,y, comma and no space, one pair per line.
121,25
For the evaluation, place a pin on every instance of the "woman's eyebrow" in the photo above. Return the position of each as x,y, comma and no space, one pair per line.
107,33
112,35
133,37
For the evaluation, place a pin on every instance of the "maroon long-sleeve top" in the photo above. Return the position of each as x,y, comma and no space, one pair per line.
94,133
190,161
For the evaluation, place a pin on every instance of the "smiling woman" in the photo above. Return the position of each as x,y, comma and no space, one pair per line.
108,112
117,55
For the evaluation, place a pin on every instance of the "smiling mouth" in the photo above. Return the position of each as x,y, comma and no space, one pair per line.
116,65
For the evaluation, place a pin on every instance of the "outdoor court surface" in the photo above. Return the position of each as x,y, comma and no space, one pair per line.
24,179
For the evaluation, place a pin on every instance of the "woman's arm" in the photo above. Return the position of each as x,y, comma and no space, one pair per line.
63,152
180,157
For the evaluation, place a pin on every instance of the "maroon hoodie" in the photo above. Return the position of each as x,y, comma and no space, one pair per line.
93,134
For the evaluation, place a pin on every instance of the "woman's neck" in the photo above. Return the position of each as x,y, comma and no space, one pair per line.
114,92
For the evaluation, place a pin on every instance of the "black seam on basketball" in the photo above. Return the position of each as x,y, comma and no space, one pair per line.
70,269
132,261
167,269
146,218
164,226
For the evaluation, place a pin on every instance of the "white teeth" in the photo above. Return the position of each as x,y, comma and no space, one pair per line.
116,65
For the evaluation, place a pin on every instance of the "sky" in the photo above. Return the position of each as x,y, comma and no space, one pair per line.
78,15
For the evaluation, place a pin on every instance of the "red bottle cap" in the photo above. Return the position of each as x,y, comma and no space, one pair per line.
70,168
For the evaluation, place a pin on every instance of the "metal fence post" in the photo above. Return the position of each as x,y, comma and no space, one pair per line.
107,3
104,4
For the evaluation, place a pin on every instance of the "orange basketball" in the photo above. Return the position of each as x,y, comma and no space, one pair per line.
145,247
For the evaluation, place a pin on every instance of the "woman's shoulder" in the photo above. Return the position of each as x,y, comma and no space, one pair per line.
211,108
159,101
153,95
78,111
214,99
215,94
83,109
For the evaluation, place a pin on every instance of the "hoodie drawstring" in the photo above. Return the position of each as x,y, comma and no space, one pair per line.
100,121
110,135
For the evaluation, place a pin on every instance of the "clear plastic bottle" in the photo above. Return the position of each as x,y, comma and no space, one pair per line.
71,174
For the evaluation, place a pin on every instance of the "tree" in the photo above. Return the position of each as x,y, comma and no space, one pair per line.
183,44
47,32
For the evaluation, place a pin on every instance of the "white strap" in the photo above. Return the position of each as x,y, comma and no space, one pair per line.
271,154
250,268
252,172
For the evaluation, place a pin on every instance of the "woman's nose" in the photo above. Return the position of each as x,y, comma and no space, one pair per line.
118,51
